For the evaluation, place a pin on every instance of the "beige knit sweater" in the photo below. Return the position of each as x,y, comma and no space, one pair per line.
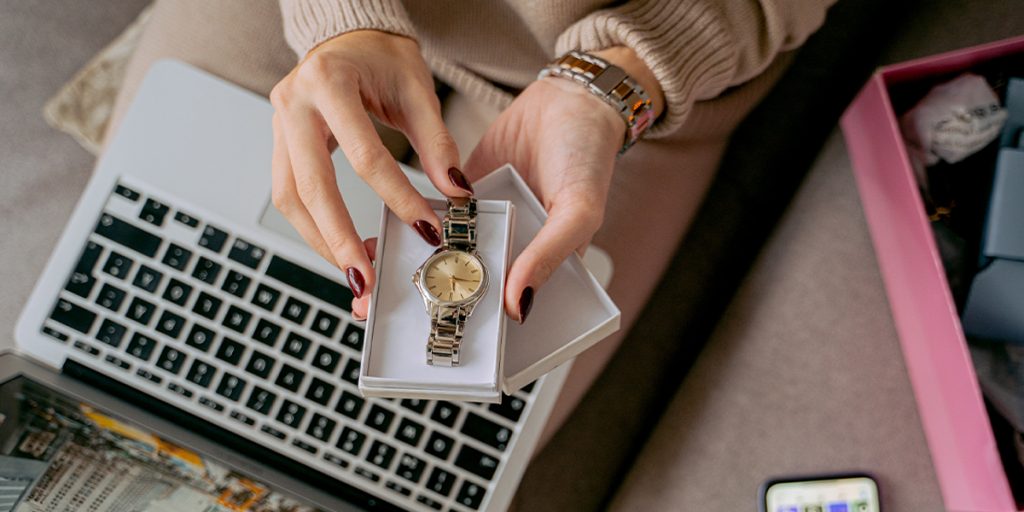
487,48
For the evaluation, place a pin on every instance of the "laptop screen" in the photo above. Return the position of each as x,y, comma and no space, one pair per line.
57,453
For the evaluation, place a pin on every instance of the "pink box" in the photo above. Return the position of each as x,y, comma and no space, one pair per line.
949,399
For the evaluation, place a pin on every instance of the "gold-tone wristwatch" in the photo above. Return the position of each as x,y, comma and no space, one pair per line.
452,281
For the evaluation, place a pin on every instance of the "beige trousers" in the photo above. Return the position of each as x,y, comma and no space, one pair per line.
657,187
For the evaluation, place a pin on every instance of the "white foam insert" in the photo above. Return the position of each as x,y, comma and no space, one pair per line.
394,360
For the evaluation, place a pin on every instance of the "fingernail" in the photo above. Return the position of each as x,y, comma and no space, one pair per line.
525,303
459,180
355,281
428,232
357,317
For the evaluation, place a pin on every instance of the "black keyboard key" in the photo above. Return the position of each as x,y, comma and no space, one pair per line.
145,374
351,441
170,360
439,445
445,413
527,389
296,346
177,257
415,405
325,324
321,427
261,400
236,283
126,193
290,378
260,364
510,407
237,319
266,297
85,347
350,404
486,431
266,332
179,390
379,418
200,373
128,235
273,432
353,337
59,336
120,363
246,253
470,495
291,414
206,270
111,297
118,265
141,346
380,454
148,279
425,500
404,491
81,281
409,432
410,468
320,391
73,316
295,310
177,292
351,372
326,359
186,219
141,311
300,278
441,481
199,337
337,461
231,387
230,350
170,324
211,404
207,305
213,238
154,212
476,462
241,418
304,446
367,474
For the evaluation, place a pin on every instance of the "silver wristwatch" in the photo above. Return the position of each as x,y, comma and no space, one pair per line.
452,281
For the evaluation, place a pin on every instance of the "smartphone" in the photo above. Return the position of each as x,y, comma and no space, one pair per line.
831,493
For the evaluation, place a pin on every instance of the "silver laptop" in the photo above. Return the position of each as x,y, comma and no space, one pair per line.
178,288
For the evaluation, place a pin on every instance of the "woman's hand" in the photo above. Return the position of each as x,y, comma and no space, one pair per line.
324,101
563,140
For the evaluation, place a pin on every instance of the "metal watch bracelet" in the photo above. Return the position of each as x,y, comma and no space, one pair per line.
610,83
458,233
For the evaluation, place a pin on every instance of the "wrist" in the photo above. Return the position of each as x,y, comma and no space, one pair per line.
625,58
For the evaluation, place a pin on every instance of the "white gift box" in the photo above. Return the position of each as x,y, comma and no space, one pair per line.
571,312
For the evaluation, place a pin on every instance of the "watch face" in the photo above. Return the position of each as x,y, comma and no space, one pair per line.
453,276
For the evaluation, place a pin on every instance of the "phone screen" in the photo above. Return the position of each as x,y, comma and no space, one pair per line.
846,494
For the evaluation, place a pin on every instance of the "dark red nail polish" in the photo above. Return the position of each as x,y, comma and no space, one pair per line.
428,232
355,281
459,180
525,303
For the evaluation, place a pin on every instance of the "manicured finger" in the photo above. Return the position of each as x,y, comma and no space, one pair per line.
361,305
421,122
343,111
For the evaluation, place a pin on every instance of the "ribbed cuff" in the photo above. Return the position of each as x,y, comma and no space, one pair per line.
685,43
307,23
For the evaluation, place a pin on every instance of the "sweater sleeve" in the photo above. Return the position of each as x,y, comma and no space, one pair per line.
698,48
307,23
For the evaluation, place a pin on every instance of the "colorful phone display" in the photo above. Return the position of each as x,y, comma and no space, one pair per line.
854,493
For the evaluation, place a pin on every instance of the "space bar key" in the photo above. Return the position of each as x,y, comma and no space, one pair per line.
300,278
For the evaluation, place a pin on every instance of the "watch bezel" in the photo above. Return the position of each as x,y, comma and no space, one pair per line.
420,280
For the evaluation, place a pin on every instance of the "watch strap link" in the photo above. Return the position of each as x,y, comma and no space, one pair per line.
445,336
459,224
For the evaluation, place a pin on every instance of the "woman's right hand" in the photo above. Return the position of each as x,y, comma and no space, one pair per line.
325,101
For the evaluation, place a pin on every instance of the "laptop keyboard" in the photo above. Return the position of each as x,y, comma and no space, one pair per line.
184,310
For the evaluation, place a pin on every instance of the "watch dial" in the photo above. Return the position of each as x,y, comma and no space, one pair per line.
454,276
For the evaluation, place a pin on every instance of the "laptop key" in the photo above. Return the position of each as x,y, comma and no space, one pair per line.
185,392
213,238
296,346
439,445
128,235
146,374
241,418
85,347
207,305
141,346
409,432
170,360
470,495
212,404
154,212
325,324
177,292
291,414
266,297
367,474
126,193
295,310
321,427
430,502
326,359
237,319
379,418
410,468
118,265
337,461
304,446
230,351
177,257
351,372
320,391
415,405
290,378
351,441
200,373
147,279
55,334
261,400
260,364
380,454
186,219
111,297
231,387
81,281
404,491
170,324
111,333
141,311
486,431
236,283
273,432
120,363
441,481
266,332
246,253
318,286
353,337
476,462
73,316
445,413
350,404
206,271
199,337
511,407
